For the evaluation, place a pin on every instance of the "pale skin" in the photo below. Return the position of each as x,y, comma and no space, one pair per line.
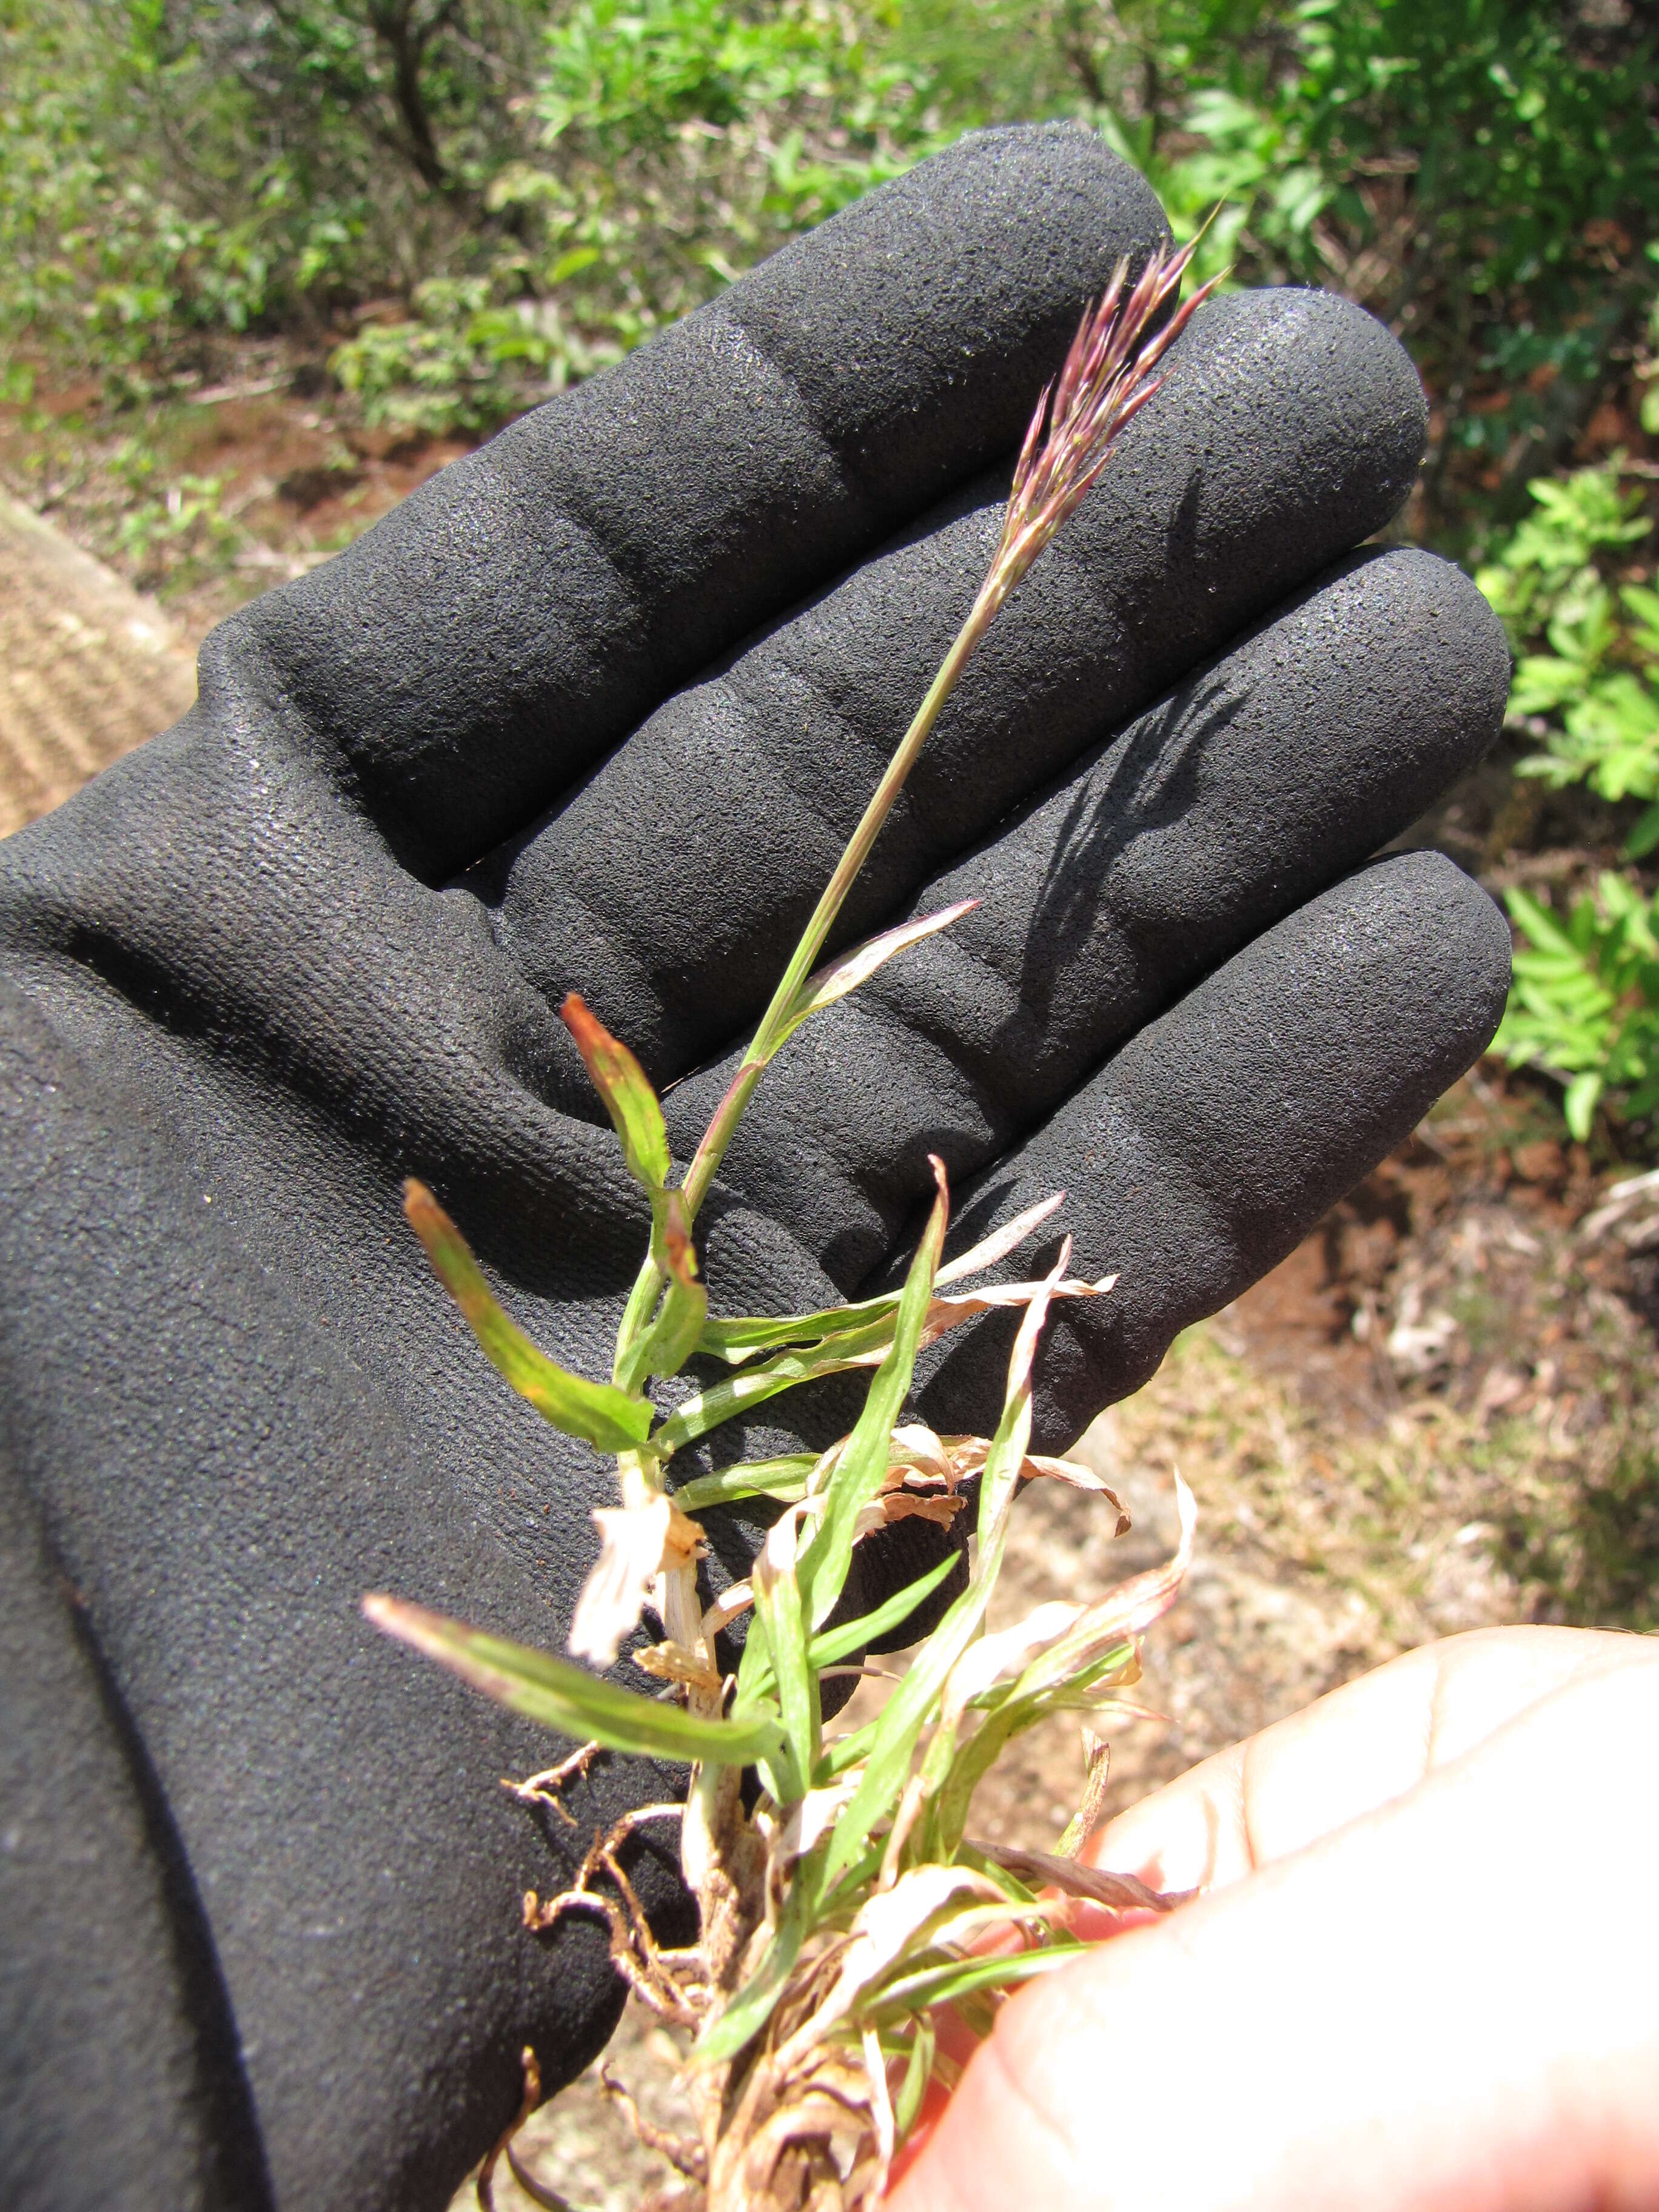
1423,1976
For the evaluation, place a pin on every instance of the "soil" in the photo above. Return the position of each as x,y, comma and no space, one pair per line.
125,536
88,668
261,440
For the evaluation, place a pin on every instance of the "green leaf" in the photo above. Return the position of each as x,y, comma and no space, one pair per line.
1011,1710
696,1415
968,1768
944,1984
1642,604
1542,683
899,1728
833,1644
918,2072
1583,1094
778,1609
830,1644
783,1480
598,1411
843,1752
860,1471
623,1085
569,1699
1539,923
736,1338
572,264
665,1347
893,1737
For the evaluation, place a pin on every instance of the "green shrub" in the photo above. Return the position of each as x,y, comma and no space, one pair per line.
465,364
1586,685
675,143
1585,1000
1585,1004
140,199
1481,173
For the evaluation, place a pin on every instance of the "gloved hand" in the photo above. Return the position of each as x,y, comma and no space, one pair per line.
595,709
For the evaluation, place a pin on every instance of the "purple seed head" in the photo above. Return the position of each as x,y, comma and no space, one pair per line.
1106,381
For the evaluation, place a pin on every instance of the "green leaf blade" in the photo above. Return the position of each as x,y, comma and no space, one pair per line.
945,1984
899,1728
735,1337
671,1338
626,1090
783,1480
778,1606
568,1699
598,1412
895,1734
752,1386
918,2072
862,1466
832,1645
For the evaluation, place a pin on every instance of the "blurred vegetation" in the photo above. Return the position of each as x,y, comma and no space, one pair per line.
516,190
1585,1003
437,211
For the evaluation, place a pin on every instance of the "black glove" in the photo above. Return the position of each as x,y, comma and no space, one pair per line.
595,709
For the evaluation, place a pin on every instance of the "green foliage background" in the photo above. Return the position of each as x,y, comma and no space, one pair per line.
458,205
541,183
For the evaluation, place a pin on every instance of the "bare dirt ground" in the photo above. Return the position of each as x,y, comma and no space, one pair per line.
88,668
1438,1412
245,474
121,546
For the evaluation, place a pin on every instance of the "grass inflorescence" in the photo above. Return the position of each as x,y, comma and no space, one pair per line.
849,1906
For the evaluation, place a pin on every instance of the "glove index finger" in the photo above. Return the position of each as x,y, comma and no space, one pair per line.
481,647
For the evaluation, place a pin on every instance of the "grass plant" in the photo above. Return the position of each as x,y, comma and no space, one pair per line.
848,1903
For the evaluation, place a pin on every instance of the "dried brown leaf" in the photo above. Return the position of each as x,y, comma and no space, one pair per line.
673,1663
1008,1653
1001,1242
949,1313
1118,1892
636,1542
